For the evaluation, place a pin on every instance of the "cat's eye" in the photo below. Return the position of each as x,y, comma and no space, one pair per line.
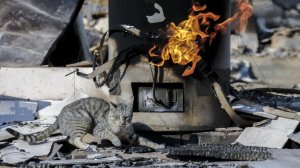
128,119
117,118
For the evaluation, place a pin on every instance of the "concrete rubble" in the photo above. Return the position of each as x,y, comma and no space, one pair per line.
272,135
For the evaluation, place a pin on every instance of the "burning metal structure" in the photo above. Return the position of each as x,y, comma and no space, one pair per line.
173,58
172,93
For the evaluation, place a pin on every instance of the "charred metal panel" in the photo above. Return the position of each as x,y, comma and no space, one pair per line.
29,29
201,110
170,95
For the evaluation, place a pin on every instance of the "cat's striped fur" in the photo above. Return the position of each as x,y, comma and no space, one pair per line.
92,116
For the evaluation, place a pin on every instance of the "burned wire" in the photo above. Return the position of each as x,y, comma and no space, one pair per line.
159,102
126,54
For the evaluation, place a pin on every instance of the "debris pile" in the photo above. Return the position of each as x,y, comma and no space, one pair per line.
249,144
272,115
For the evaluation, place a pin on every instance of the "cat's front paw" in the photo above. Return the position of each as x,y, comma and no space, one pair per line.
116,142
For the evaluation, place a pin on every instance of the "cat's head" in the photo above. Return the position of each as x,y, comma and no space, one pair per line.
120,116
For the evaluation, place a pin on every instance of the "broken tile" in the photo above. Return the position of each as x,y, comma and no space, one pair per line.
272,135
55,109
295,137
20,151
35,126
17,110
11,155
40,149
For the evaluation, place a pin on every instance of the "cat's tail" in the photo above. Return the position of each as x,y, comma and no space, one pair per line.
39,136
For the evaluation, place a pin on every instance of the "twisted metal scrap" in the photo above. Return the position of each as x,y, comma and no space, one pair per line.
224,152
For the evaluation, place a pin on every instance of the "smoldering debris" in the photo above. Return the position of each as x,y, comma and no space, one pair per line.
280,98
60,153
223,152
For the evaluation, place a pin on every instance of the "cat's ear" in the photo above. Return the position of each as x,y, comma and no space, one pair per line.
129,101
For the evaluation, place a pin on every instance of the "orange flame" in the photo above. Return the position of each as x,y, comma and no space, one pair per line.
182,47
243,11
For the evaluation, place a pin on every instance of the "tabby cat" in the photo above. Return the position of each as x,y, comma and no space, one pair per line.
94,116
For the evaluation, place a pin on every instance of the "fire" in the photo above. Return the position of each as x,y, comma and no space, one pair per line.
183,41
242,14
